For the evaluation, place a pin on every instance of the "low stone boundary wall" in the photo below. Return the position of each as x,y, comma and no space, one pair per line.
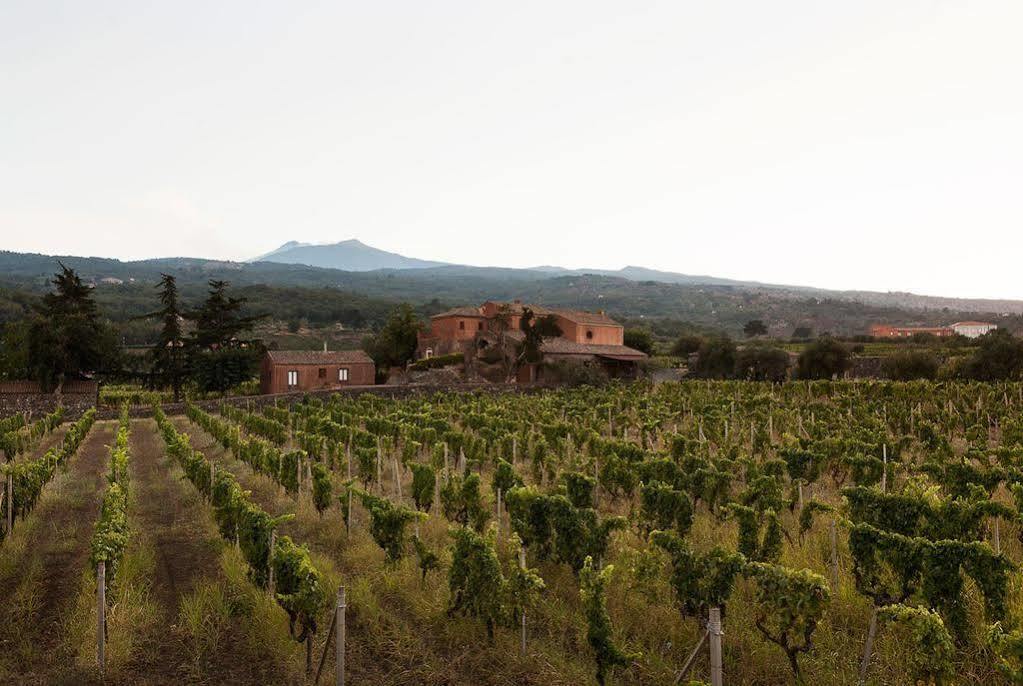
25,396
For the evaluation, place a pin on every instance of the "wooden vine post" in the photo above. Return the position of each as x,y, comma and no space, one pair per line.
884,474
715,633
868,647
339,644
271,583
10,503
397,477
834,556
522,565
499,516
101,616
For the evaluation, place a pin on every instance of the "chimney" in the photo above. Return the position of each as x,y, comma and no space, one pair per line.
324,346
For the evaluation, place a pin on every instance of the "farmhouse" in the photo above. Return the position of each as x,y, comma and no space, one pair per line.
585,336
286,371
973,329
886,331
967,329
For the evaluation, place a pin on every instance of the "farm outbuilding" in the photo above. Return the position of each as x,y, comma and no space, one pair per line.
287,371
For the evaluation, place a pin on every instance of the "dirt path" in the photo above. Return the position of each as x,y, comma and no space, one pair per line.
187,549
44,567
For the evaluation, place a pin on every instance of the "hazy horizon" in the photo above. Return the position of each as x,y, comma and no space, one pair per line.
854,146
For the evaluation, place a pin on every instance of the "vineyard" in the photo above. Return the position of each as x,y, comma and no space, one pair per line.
684,533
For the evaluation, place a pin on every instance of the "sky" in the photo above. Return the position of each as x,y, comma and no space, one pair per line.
857,145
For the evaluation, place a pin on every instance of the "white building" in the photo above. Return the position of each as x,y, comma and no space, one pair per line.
973,329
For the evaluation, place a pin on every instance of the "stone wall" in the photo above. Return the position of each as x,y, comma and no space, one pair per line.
25,396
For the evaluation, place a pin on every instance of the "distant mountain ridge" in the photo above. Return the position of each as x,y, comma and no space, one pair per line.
351,256
632,294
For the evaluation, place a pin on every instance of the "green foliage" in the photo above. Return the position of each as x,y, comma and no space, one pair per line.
999,356
790,603
753,545
1008,647
427,559
806,516
556,530
715,358
534,331
761,363
396,343
424,482
754,327
505,477
475,580
592,589
30,476
321,487
686,345
111,533
523,585
387,524
217,371
580,489
700,580
66,337
907,365
438,361
299,588
168,353
639,339
662,507
823,359
931,650
462,502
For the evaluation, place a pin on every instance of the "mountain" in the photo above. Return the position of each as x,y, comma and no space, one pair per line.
636,295
352,255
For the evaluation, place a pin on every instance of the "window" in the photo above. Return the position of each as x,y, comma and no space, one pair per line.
342,374
293,377
589,335
322,373
429,353
479,326
461,324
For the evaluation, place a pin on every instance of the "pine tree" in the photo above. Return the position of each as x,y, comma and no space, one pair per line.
66,338
169,351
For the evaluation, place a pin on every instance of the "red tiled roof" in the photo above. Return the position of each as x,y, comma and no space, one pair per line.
459,312
584,317
578,316
563,346
319,357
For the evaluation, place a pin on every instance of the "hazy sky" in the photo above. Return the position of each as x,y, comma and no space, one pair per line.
866,144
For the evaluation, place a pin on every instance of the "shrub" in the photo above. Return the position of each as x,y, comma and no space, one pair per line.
686,345
908,365
823,359
639,339
999,357
761,363
438,361
716,358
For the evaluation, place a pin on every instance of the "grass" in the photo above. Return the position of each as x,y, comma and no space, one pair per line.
399,631
132,612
